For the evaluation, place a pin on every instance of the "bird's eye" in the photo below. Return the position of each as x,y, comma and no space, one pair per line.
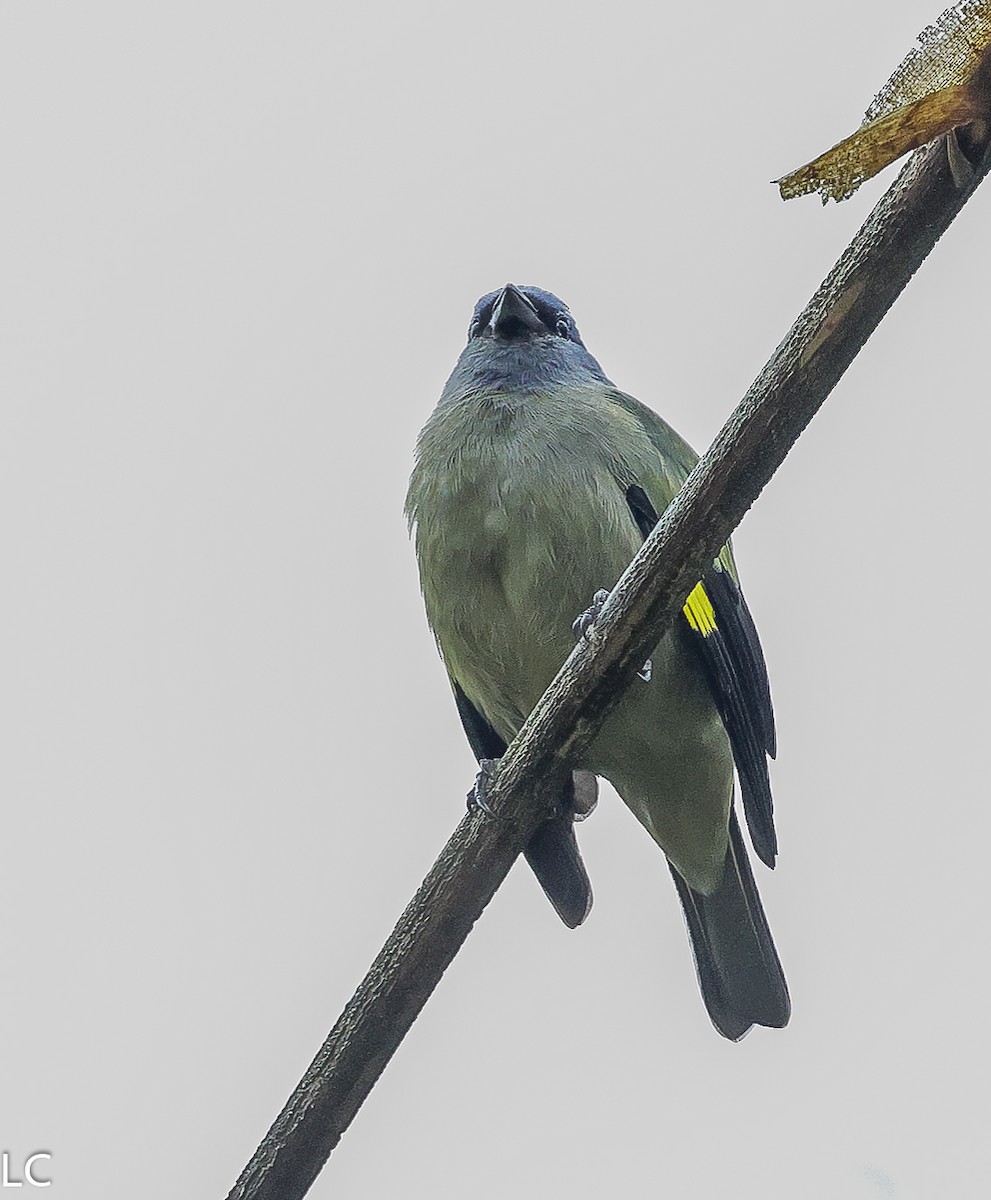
563,327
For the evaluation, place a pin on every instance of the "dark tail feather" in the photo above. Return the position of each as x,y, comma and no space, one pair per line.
738,968
553,852
555,859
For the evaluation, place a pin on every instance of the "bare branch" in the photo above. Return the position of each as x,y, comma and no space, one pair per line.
823,342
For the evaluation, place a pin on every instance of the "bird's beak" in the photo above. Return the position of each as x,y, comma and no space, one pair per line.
513,314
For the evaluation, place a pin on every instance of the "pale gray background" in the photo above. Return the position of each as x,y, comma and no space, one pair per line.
240,246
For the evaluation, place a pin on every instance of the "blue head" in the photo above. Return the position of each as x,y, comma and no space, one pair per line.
522,339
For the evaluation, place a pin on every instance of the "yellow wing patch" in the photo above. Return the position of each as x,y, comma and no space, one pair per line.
698,609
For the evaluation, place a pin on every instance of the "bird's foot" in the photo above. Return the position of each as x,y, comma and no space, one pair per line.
477,795
584,623
584,627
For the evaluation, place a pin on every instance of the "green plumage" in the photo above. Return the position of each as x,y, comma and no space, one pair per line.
515,531
535,483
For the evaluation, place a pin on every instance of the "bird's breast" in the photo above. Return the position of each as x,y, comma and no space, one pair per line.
519,522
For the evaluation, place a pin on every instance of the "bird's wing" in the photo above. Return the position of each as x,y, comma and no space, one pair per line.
552,852
723,631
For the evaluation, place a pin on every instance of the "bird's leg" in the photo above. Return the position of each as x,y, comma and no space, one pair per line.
581,797
584,623
476,797
584,627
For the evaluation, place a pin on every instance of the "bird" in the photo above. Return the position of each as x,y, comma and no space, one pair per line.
535,481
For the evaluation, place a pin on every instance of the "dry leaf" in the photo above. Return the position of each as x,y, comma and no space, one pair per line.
943,83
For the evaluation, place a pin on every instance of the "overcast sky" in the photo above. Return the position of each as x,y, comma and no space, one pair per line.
240,245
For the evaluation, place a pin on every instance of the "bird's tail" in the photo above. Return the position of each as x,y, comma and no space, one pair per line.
738,968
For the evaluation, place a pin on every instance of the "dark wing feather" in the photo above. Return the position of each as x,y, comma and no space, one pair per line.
643,511
734,664
552,852
483,739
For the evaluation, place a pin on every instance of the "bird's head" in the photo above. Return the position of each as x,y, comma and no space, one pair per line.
523,339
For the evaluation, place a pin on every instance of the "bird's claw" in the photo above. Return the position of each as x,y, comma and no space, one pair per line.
476,797
584,623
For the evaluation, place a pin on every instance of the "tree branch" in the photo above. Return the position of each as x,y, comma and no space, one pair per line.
841,316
